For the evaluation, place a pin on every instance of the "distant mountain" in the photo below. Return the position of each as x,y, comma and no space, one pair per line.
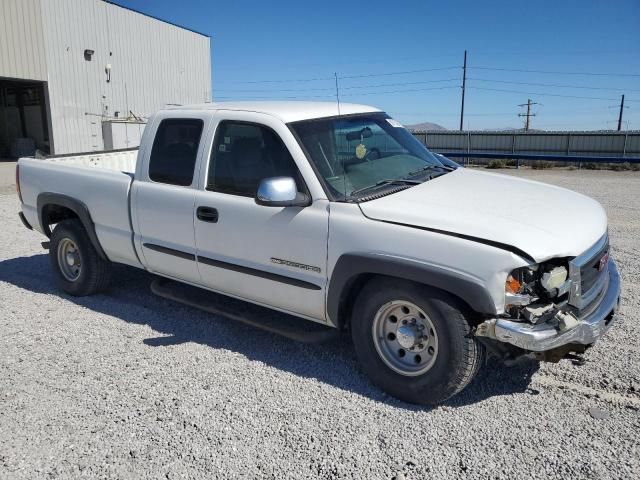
421,127
504,129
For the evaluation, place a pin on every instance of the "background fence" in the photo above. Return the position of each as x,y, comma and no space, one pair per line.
570,146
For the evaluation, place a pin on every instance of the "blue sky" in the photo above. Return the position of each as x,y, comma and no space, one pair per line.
275,49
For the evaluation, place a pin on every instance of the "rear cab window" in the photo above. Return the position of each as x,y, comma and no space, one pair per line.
175,150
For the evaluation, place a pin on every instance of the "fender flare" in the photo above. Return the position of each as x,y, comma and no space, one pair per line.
76,206
350,266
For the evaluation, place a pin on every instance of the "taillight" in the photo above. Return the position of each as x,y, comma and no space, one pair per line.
18,183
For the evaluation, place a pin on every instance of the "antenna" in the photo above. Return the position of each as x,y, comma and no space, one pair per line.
335,74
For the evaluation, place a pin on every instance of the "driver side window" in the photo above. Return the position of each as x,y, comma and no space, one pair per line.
244,154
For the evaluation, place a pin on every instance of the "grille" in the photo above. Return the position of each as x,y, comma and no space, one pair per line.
590,272
588,282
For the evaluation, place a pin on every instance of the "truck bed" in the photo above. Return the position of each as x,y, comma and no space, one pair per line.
120,160
101,181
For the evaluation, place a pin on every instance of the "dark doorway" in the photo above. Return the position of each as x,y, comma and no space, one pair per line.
23,118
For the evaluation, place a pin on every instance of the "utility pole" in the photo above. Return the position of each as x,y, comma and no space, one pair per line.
620,115
464,84
528,115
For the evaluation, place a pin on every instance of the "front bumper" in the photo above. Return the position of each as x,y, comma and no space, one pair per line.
543,337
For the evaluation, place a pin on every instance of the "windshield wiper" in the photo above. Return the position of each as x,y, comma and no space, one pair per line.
430,167
391,181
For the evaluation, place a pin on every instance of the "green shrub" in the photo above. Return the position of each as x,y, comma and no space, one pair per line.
497,164
542,164
635,167
592,166
619,167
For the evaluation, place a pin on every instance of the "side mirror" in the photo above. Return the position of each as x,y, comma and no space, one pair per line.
281,192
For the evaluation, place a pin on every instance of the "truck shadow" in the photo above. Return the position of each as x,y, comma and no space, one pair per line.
333,362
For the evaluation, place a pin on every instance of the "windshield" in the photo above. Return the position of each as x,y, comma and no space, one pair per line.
360,152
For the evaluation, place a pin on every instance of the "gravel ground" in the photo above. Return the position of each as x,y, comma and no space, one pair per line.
126,385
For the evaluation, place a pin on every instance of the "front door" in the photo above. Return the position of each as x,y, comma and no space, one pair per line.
275,256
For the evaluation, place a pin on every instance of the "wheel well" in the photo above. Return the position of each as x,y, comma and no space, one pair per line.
52,214
349,295
356,285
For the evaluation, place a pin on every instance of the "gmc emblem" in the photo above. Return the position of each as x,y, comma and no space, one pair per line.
603,262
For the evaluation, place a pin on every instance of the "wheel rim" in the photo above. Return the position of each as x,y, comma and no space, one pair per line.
69,259
405,338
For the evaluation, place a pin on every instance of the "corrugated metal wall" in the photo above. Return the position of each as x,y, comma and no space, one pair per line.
615,144
153,63
21,41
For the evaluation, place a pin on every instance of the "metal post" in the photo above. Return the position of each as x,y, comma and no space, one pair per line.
464,84
620,115
468,146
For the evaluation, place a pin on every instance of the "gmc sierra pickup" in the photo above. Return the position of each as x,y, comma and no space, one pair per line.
337,215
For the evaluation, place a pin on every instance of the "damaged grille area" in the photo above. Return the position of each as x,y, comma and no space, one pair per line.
590,272
589,277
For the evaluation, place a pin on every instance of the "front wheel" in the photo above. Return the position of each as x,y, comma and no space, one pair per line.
413,341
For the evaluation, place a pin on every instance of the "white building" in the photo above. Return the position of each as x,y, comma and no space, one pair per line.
68,66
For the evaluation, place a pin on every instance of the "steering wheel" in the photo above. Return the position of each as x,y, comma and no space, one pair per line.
373,154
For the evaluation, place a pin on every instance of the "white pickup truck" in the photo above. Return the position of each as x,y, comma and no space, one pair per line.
338,215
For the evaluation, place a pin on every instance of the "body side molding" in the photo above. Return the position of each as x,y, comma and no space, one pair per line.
234,267
170,251
349,266
259,273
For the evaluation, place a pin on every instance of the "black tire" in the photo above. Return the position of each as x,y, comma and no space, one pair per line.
94,272
459,355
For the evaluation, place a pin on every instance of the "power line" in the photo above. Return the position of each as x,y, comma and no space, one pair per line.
545,94
424,70
406,72
402,91
553,85
317,79
344,77
294,97
452,114
352,87
492,114
555,72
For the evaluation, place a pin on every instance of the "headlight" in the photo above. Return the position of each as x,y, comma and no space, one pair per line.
554,279
545,281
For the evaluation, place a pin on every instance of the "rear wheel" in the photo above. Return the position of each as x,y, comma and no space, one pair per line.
78,267
413,341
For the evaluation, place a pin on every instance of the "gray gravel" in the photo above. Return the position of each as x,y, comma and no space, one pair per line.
128,385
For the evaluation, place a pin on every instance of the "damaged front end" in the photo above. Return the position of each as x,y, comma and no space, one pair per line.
556,309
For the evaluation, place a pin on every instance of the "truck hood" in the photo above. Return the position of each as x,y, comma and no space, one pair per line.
541,220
